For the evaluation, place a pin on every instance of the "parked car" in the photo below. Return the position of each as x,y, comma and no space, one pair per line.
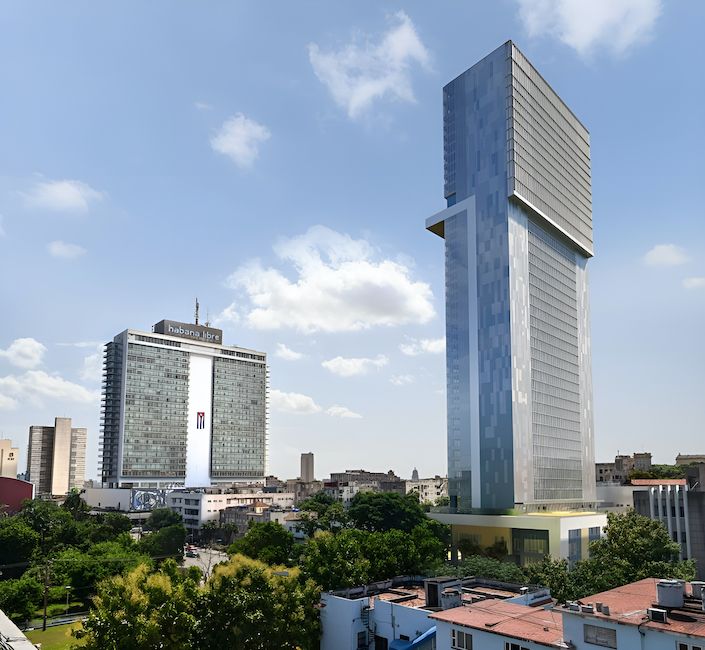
191,554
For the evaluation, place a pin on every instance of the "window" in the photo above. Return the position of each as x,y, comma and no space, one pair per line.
686,646
514,646
362,640
381,643
602,636
461,640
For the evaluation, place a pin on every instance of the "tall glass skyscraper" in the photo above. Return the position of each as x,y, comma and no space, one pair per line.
518,235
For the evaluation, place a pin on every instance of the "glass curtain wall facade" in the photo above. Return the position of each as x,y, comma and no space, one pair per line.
181,413
518,233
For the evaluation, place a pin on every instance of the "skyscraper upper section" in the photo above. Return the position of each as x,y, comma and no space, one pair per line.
518,234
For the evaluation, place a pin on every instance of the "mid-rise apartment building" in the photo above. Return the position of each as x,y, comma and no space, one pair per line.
8,459
56,457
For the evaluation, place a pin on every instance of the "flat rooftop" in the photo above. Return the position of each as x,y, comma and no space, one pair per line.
628,605
532,624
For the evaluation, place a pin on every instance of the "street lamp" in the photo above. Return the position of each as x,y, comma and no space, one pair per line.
68,590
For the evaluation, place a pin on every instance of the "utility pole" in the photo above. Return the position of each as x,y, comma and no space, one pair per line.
46,594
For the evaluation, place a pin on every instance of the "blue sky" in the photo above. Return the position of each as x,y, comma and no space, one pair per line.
278,160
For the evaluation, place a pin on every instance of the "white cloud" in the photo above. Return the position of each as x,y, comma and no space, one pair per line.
364,71
63,196
342,412
2,230
24,353
7,403
614,25
351,367
64,250
34,385
92,369
288,354
239,138
420,346
202,106
228,315
401,380
292,402
666,255
694,283
339,287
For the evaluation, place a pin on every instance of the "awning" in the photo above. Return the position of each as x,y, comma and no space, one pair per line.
398,644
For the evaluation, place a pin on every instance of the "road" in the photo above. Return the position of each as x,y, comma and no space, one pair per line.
206,560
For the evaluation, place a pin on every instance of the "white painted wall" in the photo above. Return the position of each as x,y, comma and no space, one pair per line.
200,398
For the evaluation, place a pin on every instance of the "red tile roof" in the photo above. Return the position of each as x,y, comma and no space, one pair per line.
658,481
628,605
542,626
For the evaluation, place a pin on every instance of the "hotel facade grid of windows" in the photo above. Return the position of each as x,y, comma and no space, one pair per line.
518,234
179,412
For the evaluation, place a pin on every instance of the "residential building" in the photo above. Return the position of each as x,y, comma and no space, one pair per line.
518,235
56,457
396,614
621,468
428,489
650,614
8,459
242,516
307,475
180,409
690,459
199,506
679,504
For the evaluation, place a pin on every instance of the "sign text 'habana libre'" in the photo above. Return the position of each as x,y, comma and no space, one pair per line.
189,331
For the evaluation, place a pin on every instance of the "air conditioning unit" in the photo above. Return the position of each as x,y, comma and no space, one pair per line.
657,615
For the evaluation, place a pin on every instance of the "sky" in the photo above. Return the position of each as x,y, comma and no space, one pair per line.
278,160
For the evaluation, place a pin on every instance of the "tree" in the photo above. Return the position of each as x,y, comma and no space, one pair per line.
336,561
109,526
74,504
143,610
252,606
167,541
268,541
20,598
18,540
380,511
161,518
318,503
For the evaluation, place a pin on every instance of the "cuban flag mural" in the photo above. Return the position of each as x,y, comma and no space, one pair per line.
200,420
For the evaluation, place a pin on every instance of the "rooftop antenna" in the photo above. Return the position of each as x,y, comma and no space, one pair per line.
196,311
208,318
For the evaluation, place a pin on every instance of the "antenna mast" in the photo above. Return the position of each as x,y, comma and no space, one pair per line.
196,311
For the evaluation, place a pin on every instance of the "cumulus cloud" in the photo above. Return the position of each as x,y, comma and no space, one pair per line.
34,385
694,283
239,138
7,403
338,286
292,402
287,354
420,346
24,353
666,255
65,251
63,196
364,70
401,380
351,367
342,412
614,25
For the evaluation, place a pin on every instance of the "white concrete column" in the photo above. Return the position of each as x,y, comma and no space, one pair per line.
660,503
679,535
688,550
668,511
652,509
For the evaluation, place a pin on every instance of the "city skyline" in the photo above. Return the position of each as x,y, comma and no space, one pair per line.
117,211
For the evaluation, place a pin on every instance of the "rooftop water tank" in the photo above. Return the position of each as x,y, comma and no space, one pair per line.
670,593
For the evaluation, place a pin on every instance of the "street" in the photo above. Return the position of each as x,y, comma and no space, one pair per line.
206,560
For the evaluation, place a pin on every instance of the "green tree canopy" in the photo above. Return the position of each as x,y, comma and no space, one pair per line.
20,598
267,541
18,540
380,511
167,541
74,504
161,518
143,610
254,606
